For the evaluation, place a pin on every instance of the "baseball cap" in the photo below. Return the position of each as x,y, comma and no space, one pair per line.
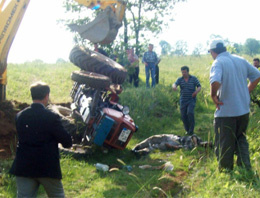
216,44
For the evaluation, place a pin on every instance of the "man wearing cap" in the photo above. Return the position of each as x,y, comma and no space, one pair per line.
230,93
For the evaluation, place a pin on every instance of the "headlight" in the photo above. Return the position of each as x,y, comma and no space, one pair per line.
125,110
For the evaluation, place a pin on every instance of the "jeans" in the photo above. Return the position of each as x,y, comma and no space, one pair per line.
187,116
148,68
230,139
28,187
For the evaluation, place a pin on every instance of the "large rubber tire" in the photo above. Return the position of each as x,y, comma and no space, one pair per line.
95,62
91,79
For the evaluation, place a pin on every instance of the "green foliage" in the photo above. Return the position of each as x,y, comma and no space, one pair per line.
252,46
197,50
141,17
255,95
166,47
180,48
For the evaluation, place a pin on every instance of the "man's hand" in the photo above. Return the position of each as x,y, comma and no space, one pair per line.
146,64
174,87
194,94
217,102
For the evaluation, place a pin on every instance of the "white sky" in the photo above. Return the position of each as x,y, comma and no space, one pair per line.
39,36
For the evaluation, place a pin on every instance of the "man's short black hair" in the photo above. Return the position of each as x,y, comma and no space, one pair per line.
185,68
256,59
219,48
39,90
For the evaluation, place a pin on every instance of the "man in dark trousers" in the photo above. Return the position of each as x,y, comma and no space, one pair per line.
232,79
190,87
37,155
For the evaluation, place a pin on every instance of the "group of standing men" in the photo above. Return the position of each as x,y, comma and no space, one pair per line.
230,91
150,61
39,130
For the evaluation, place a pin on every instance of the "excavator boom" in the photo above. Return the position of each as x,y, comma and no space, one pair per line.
102,30
11,14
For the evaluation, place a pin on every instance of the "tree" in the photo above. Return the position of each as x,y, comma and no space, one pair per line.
238,47
181,48
142,18
148,16
166,47
197,50
251,46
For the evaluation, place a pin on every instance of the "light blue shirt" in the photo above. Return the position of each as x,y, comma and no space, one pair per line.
232,72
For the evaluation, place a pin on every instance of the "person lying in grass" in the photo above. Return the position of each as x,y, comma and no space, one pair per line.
168,142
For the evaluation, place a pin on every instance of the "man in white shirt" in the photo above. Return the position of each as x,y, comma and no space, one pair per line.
230,92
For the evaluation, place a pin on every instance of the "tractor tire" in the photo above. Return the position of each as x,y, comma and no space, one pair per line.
91,79
92,61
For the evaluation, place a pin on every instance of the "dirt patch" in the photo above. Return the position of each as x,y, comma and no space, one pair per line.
173,184
8,110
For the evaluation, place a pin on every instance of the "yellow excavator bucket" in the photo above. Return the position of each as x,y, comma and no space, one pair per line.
103,29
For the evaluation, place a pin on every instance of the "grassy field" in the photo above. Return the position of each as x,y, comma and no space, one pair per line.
155,111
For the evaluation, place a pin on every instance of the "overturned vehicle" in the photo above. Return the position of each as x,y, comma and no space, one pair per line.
95,96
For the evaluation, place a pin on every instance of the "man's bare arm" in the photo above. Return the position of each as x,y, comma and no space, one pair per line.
196,92
174,87
213,93
252,85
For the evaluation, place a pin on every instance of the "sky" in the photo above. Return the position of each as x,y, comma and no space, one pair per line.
39,36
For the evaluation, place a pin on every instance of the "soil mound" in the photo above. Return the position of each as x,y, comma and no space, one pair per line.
8,110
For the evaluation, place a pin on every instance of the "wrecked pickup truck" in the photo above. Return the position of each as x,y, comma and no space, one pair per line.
107,123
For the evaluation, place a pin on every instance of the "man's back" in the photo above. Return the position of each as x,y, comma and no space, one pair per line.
39,132
232,72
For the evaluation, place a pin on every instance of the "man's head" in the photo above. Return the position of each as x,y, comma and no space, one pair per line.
40,92
216,47
256,62
185,71
150,47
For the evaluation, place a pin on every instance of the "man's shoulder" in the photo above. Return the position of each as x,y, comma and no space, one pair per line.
180,78
193,77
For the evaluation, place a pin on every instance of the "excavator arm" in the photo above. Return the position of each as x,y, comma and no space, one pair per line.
11,14
118,6
102,30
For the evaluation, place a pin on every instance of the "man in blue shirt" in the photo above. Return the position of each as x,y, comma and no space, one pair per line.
150,60
230,92
190,87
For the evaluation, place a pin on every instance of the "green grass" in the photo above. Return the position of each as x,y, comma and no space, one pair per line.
155,111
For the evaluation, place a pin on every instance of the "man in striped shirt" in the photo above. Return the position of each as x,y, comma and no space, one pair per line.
190,87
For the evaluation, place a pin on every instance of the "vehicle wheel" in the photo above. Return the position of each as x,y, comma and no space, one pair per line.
92,61
91,79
